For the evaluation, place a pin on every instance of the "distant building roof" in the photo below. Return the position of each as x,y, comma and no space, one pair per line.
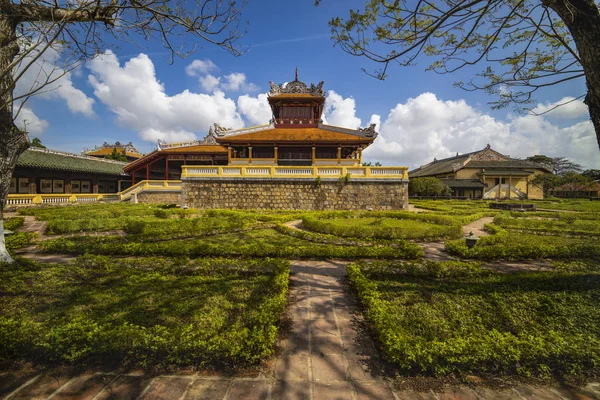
483,159
107,149
208,145
463,183
36,157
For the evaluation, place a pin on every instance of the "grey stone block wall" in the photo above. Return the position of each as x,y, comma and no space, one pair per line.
294,194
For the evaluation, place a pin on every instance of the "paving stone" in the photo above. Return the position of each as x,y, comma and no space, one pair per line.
577,393
248,390
322,312
291,391
299,313
459,393
10,381
412,395
342,313
125,387
499,394
43,387
292,367
373,392
332,390
328,368
359,345
328,344
296,344
84,387
163,388
541,393
323,327
364,368
207,389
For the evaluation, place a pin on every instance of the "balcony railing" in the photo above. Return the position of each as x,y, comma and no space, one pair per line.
61,198
275,172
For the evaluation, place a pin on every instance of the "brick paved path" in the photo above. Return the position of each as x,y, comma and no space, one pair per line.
325,356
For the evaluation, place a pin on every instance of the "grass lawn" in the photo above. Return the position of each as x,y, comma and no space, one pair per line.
456,318
145,311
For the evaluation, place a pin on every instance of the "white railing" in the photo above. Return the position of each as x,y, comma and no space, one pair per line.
295,172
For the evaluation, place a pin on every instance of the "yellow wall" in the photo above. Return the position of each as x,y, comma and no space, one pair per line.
468,173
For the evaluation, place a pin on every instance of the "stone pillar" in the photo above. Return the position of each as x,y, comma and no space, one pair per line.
32,185
500,187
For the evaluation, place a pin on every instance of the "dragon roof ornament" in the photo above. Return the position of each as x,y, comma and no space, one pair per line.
369,131
297,87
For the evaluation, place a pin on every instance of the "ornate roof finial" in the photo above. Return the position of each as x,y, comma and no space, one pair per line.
296,74
488,146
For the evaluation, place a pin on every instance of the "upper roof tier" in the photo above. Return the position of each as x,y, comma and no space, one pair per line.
297,89
324,134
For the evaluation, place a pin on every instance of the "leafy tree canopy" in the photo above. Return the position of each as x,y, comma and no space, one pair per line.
36,142
428,186
115,155
523,45
558,165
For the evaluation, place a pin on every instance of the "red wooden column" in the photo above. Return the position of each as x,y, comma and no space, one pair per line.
148,172
132,177
166,168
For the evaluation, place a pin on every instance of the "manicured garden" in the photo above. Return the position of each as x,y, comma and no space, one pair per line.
163,286
456,318
99,311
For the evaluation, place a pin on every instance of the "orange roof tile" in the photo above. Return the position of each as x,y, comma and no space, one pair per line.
307,135
108,150
175,150
195,149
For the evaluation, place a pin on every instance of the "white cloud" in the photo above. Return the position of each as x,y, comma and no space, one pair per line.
567,107
47,69
29,122
237,81
256,110
209,82
340,112
135,95
200,67
426,127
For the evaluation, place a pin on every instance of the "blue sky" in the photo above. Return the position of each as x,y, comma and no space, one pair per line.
420,115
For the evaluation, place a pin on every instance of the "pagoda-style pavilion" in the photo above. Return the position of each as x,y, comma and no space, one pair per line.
296,134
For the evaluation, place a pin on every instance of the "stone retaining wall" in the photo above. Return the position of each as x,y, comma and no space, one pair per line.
294,194
158,197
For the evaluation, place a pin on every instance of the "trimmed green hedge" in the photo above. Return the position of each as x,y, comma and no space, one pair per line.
456,318
161,312
522,246
384,225
255,243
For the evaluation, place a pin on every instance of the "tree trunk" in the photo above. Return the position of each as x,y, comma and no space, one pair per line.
582,18
12,141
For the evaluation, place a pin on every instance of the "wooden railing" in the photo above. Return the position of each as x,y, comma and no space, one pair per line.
60,198
275,172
